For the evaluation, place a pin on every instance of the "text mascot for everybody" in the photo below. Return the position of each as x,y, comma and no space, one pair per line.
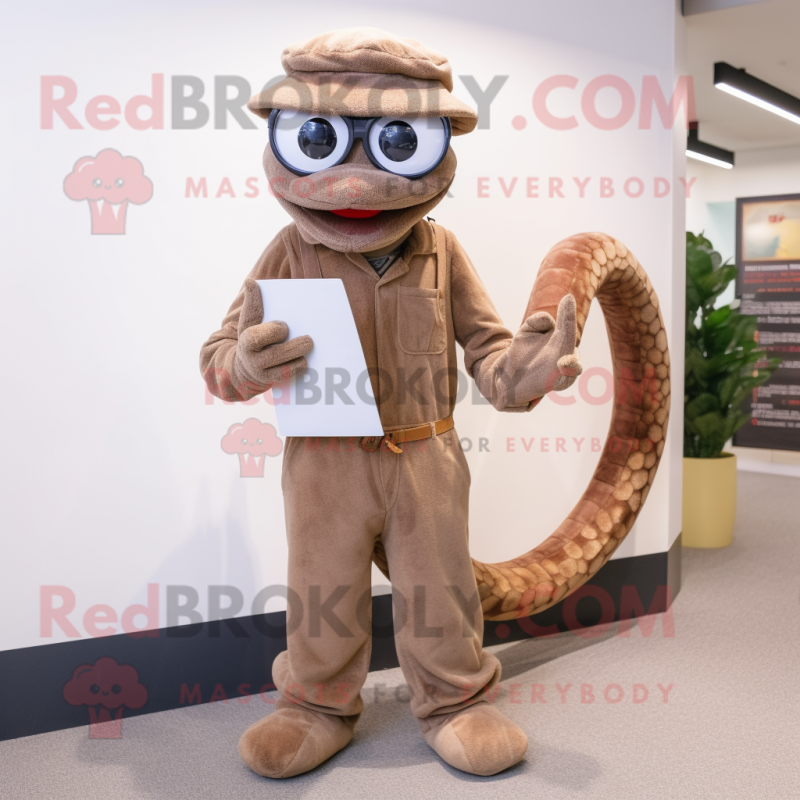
359,153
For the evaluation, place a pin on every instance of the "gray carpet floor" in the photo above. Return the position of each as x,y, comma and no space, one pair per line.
730,726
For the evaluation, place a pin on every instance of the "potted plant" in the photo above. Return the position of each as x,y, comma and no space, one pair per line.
724,363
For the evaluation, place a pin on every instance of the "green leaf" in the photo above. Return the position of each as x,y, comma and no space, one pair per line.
700,405
719,316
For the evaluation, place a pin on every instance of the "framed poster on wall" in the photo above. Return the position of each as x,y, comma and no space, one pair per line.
768,284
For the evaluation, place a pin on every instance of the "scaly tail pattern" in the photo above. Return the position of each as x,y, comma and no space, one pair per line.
593,265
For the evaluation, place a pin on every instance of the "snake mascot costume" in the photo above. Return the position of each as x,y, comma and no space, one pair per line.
358,155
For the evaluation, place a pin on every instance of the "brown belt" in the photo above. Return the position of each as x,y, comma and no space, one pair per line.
395,438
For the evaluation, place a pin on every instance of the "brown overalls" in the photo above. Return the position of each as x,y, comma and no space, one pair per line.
342,498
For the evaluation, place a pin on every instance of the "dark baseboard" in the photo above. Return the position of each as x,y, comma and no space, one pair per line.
213,661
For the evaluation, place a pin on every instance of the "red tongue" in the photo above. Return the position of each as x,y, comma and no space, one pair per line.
355,213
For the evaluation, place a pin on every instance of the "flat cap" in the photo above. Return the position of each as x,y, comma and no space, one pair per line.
365,72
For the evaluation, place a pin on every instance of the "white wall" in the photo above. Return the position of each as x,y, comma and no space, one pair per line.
711,207
113,474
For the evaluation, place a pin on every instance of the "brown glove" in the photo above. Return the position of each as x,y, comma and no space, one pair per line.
262,355
541,358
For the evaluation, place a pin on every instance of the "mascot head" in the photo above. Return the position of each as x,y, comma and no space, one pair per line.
359,136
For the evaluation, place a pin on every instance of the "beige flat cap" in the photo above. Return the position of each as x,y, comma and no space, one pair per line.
365,72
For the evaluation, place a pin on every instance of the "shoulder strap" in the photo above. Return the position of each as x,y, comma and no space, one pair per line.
310,258
441,255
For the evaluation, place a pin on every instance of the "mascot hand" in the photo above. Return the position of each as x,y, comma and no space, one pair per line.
543,357
261,353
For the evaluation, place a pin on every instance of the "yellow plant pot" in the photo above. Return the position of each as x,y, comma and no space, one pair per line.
709,501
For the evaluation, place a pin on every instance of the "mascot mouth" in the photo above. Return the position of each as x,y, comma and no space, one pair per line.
355,213
371,229
355,221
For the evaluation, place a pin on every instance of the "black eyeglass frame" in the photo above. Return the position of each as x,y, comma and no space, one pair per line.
358,128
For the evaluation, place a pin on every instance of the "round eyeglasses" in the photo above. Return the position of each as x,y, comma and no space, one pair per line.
306,143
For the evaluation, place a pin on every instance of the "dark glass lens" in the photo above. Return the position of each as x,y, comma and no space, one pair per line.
397,141
317,138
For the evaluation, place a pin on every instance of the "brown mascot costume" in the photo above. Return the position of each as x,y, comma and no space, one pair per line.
359,154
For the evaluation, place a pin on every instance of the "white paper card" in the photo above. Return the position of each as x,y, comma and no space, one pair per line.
333,397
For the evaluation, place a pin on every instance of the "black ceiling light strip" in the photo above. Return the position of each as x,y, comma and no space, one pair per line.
702,151
739,83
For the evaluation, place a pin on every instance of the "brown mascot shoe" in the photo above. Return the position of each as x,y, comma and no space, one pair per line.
478,739
293,740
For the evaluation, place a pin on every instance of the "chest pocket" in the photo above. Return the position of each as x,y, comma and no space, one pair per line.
420,320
